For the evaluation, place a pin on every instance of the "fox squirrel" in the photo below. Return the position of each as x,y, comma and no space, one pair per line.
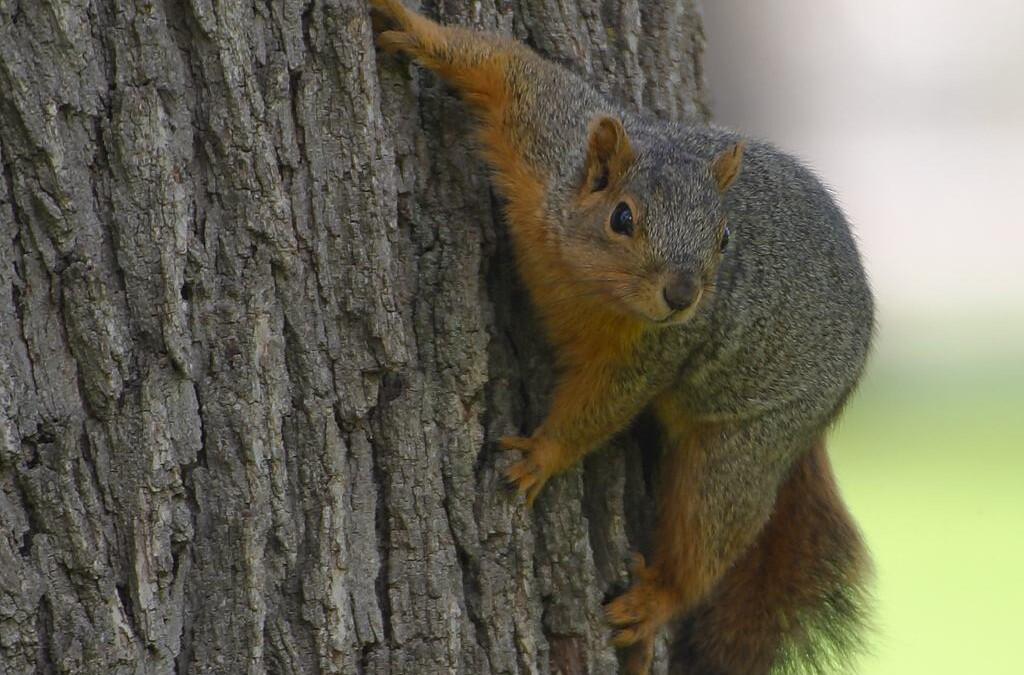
731,303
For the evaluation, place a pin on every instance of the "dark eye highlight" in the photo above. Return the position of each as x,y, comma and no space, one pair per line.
622,220
725,239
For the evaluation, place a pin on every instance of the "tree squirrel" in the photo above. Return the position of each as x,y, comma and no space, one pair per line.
732,305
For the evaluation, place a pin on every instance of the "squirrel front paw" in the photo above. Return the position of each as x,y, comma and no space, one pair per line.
638,613
543,459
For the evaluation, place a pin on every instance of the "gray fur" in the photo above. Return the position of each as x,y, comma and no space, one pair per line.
772,355
790,323
766,361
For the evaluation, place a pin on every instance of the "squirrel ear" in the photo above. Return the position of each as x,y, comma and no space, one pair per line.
726,166
609,153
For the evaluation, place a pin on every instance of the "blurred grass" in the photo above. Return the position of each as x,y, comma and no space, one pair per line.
930,458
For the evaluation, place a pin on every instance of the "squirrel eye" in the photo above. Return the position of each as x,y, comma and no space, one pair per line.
622,219
725,239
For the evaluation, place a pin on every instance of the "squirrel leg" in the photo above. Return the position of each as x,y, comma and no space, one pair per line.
718,486
475,63
590,405
482,67
410,32
800,589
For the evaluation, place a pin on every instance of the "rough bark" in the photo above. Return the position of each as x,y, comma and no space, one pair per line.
260,328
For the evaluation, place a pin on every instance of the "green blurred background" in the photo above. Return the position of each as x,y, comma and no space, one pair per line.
913,112
929,457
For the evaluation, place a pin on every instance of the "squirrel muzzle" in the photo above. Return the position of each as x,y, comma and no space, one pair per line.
681,291
679,296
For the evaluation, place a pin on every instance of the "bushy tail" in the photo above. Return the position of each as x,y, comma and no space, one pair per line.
797,601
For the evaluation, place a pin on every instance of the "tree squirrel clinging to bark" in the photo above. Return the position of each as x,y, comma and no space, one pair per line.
732,303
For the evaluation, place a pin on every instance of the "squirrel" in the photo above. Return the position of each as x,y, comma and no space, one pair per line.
712,280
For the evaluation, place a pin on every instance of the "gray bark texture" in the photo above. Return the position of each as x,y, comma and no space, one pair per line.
259,330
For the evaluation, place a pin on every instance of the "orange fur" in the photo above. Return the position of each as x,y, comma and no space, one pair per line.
680,573
678,501
809,549
583,328
726,166
742,613
566,434
684,568
608,151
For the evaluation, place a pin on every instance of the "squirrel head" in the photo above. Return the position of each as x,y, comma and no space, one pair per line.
647,229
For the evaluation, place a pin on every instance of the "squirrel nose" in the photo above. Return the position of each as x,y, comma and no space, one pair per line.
680,291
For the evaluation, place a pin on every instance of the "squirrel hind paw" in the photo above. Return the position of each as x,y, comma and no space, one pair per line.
639,613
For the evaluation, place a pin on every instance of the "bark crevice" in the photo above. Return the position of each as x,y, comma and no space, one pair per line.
261,333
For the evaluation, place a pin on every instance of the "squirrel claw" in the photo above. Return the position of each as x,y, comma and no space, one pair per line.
638,613
529,474
396,27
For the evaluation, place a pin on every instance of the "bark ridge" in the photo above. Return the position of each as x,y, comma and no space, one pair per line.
260,328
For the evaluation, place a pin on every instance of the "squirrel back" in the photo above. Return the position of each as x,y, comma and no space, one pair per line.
792,316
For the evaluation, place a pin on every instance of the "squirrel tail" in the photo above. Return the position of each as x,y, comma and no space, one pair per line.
797,601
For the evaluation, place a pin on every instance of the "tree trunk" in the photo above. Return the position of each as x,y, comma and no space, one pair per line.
260,329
